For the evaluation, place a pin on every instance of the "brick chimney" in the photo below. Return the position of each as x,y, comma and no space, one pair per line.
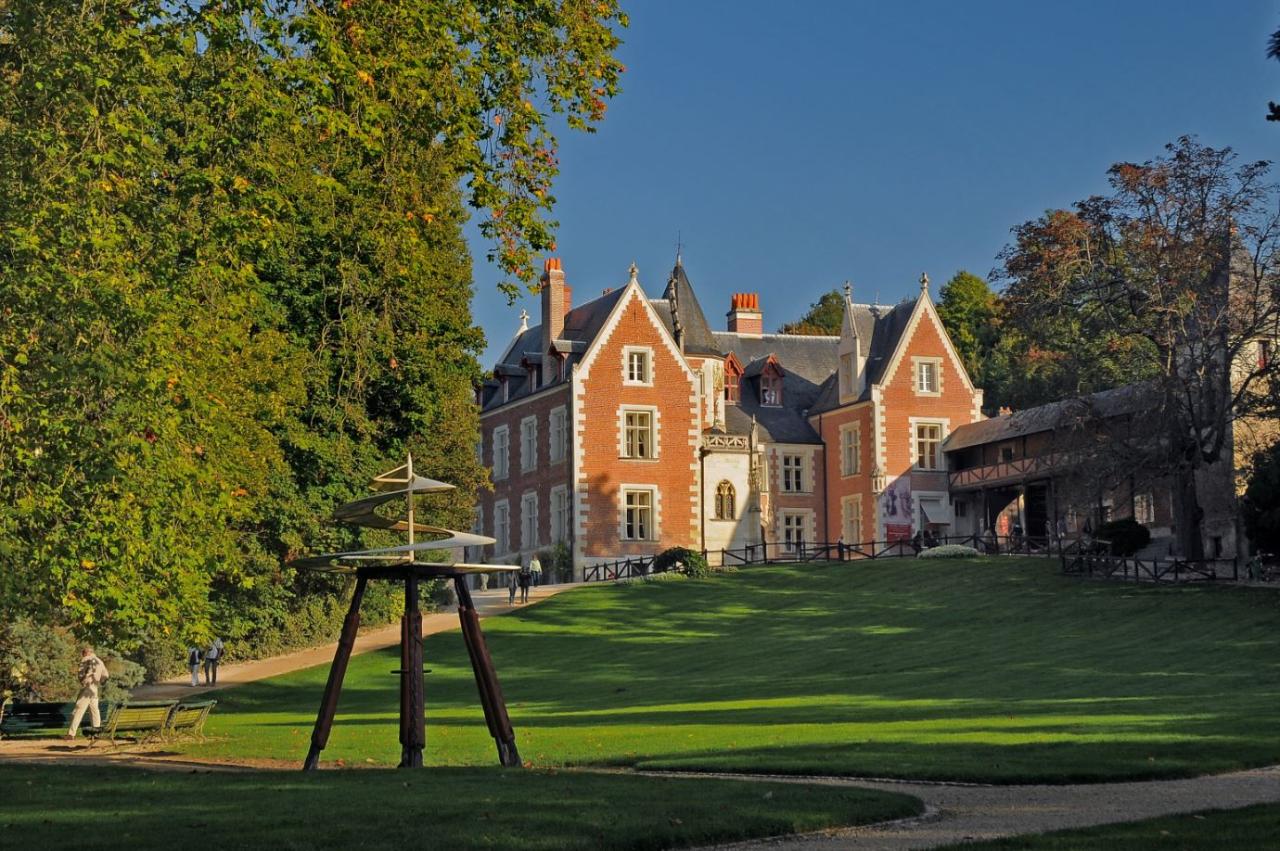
744,314
557,299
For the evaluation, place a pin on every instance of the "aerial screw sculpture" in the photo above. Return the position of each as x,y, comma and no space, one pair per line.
400,564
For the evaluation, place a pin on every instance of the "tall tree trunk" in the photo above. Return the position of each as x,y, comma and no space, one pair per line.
1187,513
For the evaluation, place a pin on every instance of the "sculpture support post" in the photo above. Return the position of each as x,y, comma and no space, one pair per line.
329,702
491,700
413,725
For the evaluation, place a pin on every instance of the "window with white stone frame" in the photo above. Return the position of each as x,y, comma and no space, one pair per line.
793,527
638,518
501,527
851,519
637,365
851,449
792,474
638,438
559,431
528,444
529,521
501,454
928,446
928,376
559,514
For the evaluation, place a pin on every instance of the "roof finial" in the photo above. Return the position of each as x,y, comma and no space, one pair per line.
848,290
524,321
924,282
679,246
634,271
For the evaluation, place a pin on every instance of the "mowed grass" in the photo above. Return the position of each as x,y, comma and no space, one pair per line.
1256,827
454,808
994,670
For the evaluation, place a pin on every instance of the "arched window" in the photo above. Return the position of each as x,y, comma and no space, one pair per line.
724,501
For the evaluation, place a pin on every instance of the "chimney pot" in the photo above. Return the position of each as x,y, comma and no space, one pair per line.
744,314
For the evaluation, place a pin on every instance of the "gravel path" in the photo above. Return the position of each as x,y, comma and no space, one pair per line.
959,813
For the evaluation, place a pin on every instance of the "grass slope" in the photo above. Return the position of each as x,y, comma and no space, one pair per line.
994,670
1256,827
454,808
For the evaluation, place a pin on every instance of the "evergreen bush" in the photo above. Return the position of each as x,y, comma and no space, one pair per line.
1125,535
690,562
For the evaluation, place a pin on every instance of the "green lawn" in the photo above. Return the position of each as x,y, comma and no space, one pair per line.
998,670
1248,828
453,808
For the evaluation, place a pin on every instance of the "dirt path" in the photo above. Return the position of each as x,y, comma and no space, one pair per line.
238,673
969,813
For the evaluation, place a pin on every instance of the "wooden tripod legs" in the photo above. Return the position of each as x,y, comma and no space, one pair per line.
413,727
329,702
491,700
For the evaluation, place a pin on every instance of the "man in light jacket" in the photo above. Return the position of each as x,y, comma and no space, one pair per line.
92,673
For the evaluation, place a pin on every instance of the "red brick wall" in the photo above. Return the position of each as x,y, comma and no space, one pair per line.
956,404
840,486
814,475
599,393
541,479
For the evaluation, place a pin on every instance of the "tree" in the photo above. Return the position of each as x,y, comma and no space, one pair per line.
1273,52
1174,275
234,283
1261,502
823,317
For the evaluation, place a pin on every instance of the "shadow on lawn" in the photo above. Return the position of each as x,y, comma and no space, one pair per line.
889,658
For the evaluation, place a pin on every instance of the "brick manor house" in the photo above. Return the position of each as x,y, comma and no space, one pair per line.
625,425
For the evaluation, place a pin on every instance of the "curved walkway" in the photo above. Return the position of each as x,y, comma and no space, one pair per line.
965,813
238,673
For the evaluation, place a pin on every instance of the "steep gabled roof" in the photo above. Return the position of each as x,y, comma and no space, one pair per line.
581,325
880,329
680,298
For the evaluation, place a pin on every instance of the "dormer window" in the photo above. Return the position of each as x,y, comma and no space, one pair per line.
732,379
505,389
771,390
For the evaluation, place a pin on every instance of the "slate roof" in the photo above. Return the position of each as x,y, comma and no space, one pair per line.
880,328
581,324
679,295
1129,399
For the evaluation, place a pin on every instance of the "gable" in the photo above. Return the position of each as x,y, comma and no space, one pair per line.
633,298
925,316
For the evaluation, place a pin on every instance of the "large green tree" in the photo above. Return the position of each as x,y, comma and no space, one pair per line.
823,317
233,281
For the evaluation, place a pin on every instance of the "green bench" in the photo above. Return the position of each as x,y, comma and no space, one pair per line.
189,717
19,718
140,720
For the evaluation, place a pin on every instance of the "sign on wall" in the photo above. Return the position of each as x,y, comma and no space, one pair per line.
896,510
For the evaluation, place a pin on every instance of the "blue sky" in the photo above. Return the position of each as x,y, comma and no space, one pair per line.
794,145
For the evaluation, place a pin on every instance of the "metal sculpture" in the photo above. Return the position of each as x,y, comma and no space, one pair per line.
400,564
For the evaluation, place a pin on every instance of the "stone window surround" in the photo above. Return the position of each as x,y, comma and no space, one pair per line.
627,380
944,429
655,432
916,362
655,511
563,413
528,444
503,470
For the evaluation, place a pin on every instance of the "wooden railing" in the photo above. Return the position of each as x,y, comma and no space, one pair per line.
1132,569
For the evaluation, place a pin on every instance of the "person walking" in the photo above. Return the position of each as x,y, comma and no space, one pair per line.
91,674
193,662
535,569
211,658
525,577
511,589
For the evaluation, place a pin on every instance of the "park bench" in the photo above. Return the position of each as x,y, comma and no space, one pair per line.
188,718
40,719
142,721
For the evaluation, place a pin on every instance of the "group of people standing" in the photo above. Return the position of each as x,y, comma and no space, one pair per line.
207,659
529,575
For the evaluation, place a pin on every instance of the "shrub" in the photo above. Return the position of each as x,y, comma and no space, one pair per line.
37,662
949,551
1126,536
557,564
125,675
668,576
690,562
1261,503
